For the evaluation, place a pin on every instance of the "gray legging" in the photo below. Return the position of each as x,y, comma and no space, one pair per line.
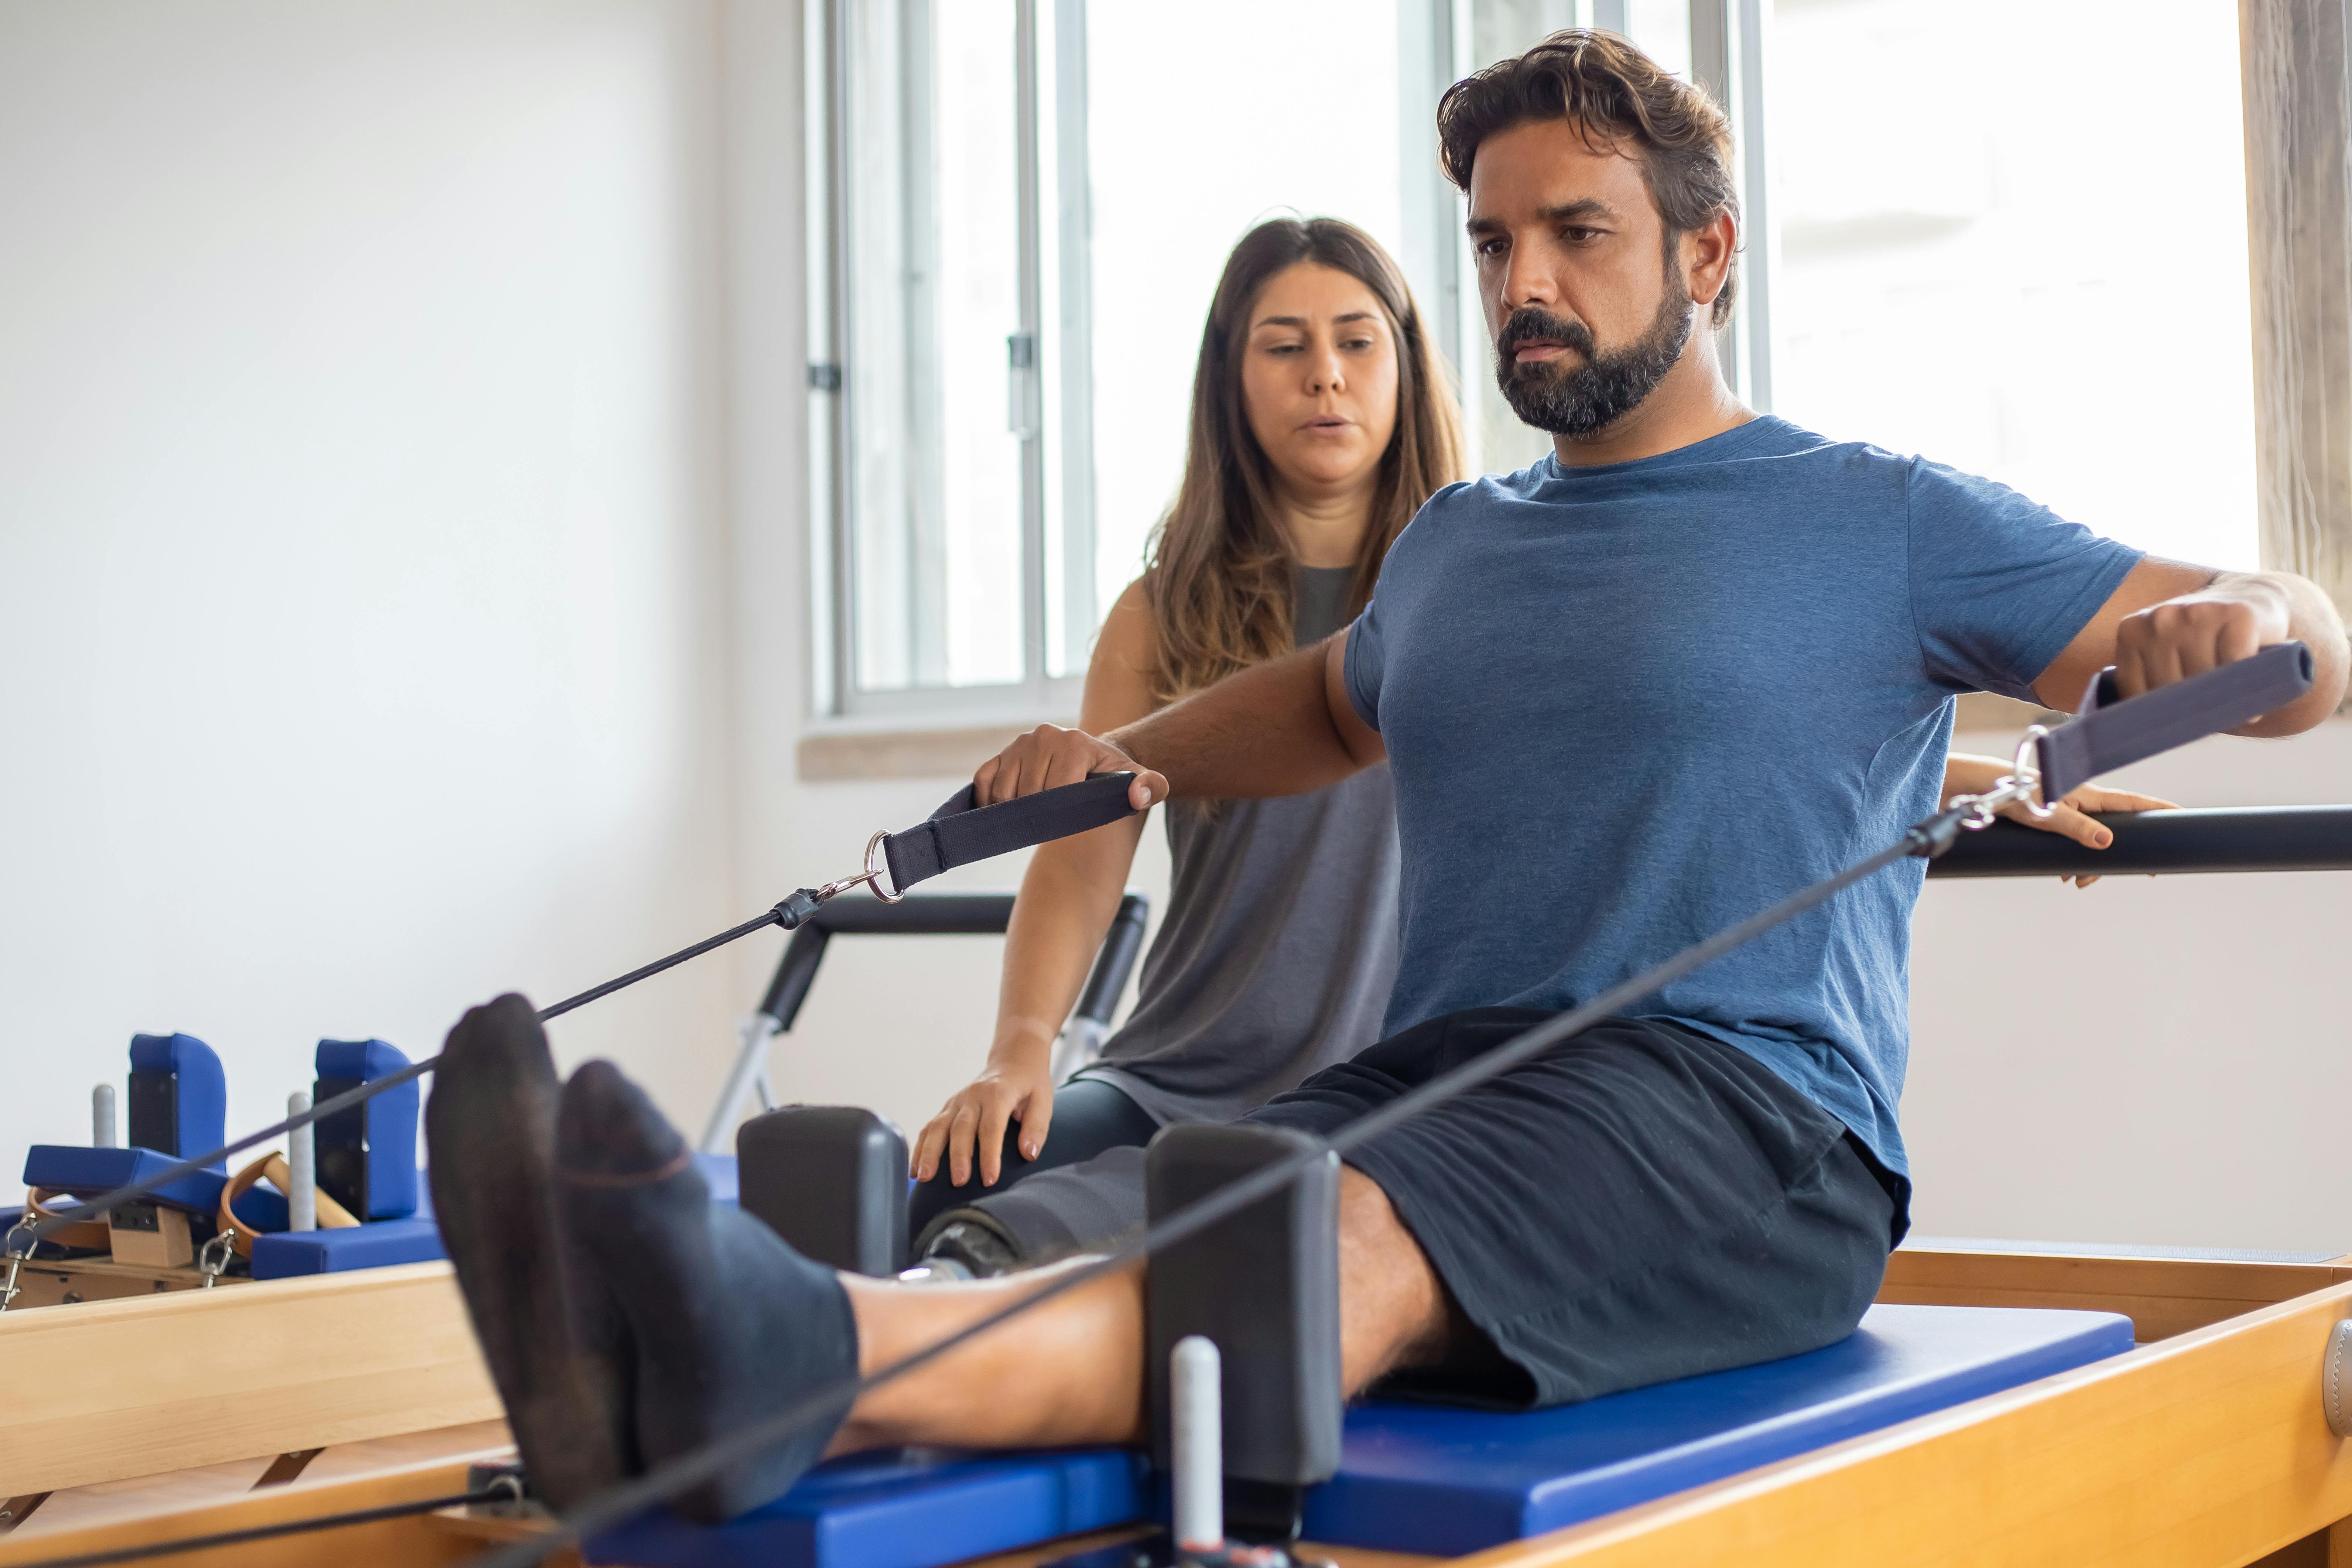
1089,1117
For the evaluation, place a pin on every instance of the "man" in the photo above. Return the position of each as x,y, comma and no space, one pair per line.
1571,671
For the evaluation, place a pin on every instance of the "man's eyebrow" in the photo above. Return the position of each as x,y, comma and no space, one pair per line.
1566,211
1590,207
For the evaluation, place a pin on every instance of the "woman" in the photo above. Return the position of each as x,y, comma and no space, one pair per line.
1320,422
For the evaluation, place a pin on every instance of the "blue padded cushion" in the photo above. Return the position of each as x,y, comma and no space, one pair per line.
391,1122
900,1510
1423,1478
203,1100
375,1245
85,1172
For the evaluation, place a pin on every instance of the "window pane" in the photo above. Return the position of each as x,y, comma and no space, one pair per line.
1247,109
933,206
977,303
2029,263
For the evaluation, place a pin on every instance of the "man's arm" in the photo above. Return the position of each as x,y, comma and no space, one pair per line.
2168,621
1283,727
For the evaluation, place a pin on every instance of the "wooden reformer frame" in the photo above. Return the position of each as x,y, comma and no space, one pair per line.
2205,1447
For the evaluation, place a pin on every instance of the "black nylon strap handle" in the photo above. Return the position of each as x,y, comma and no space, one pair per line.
960,833
2112,732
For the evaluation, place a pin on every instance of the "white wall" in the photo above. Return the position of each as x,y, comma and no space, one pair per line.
2157,1060
362,544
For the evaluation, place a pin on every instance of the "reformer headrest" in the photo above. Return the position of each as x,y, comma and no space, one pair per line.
179,1097
367,1156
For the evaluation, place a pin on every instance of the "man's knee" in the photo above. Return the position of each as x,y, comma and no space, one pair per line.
1393,1308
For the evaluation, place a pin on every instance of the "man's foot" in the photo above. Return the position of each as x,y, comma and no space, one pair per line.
490,1131
730,1324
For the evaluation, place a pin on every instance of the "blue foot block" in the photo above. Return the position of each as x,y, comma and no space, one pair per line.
910,1508
375,1245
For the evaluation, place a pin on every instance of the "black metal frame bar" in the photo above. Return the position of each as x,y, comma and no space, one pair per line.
2159,843
945,914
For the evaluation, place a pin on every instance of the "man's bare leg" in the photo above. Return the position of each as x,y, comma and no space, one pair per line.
1072,1371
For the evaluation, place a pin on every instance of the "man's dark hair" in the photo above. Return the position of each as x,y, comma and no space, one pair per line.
1618,98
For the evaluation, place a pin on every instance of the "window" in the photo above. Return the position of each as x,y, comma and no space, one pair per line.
945,515
2013,238
2028,262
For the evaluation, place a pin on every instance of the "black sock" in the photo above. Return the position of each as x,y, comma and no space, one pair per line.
730,1324
490,1131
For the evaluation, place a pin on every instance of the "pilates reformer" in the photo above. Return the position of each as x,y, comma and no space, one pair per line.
1673,1474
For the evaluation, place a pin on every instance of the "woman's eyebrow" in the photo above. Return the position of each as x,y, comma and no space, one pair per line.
1300,321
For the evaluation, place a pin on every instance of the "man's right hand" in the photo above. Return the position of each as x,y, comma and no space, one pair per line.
1050,756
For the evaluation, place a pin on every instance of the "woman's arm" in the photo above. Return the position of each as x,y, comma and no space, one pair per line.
1966,774
1068,898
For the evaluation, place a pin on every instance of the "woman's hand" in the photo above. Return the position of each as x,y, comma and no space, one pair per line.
1017,1085
1965,775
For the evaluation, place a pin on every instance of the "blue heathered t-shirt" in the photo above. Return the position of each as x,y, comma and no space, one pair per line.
1629,706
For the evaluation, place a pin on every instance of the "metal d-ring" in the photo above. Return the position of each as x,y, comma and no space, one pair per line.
874,874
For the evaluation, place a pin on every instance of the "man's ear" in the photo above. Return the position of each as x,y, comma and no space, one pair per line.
1707,254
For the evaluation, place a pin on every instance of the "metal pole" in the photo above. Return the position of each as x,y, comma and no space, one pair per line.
302,1163
1197,1416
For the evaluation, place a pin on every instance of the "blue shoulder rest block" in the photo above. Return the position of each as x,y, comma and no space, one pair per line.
375,1245
85,1172
904,1508
179,1097
1417,1478
384,1142
1422,1478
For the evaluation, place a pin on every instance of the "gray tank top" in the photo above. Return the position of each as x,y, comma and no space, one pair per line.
1279,946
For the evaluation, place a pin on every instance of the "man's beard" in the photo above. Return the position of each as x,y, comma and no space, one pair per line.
1577,400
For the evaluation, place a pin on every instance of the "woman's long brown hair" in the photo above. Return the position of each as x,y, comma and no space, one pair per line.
1219,580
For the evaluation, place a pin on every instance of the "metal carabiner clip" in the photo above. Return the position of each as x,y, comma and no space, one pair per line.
8,1291
213,1260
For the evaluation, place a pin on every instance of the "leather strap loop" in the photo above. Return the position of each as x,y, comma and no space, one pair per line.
87,1235
271,1167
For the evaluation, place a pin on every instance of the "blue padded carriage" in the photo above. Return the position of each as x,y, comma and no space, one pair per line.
1416,1477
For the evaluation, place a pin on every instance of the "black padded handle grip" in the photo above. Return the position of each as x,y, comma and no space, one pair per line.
960,833
2112,733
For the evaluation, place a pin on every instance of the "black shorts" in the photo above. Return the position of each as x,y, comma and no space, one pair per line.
1638,1204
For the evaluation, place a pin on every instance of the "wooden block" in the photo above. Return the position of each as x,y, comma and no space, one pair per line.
113,1389
74,1281
151,1236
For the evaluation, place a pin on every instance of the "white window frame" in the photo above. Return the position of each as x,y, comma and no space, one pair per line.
1054,400
1051,407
